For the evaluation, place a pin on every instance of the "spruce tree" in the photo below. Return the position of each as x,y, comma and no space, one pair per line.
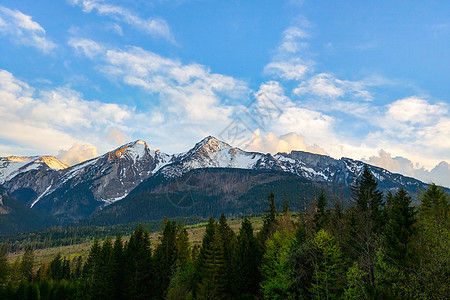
138,265
399,229
246,263
214,282
118,267
4,269
228,240
165,257
371,199
321,216
269,222
206,245
27,263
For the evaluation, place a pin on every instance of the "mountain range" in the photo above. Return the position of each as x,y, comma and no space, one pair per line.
134,182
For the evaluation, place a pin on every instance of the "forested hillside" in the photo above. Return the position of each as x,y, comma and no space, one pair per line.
381,248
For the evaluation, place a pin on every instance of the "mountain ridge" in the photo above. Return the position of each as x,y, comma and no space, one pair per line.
74,193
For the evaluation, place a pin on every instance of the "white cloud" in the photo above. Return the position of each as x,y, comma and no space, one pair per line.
440,174
151,26
414,110
48,120
191,91
87,47
327,86
294,69
271,143
21,29
77,153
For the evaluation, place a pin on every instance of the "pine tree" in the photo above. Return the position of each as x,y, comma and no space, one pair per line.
400,227
214,282
371,199
165,257
26,266
228,239
208,238
3,264
246,263
321,216
182,245
118,267
270,220
138,265
328,268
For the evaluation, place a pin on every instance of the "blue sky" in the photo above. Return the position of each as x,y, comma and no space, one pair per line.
345,78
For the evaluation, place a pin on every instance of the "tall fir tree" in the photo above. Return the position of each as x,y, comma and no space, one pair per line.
165,258
321,216
208,239
27,264
246,263
371,199
138,262
214,282
228,240
269,222
400,228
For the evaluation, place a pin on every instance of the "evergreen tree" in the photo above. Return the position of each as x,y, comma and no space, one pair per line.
228,239
182,245
118,267
246,264
270,221
26,266
3,264
321,216
301,265
214,282
328,268
138,265
55,268
165,257
208,238
371,199
400,227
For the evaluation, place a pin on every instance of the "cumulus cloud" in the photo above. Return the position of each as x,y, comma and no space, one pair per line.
77,153
271,143
415,110
152,26
47,120
440,174
21,29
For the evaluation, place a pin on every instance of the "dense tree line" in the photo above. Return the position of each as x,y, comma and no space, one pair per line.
381,248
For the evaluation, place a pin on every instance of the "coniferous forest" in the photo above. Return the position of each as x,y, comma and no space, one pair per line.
382,247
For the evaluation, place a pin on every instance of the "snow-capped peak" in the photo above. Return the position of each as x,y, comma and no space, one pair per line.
13,165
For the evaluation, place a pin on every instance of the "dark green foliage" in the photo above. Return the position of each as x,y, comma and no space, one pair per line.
321,217
269,225
345,257
27,264
370,199
20,218
4,269
166,254
138,265
213,284
399,229
247,260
